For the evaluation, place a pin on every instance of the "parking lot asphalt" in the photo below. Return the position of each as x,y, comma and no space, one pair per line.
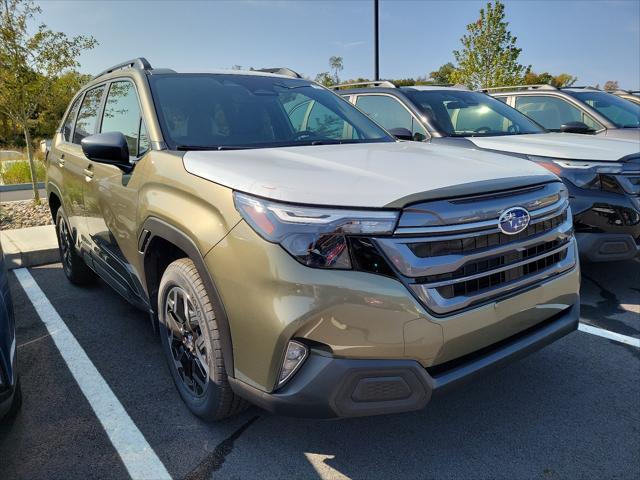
571,410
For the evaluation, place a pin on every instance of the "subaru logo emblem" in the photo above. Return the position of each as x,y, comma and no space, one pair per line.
513,220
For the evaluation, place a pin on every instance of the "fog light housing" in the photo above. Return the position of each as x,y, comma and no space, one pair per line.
293,359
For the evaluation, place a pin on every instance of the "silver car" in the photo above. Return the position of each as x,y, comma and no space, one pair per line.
574,109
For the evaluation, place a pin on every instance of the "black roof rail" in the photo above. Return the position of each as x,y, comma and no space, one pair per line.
591,87
539,86
280,71
373,83
140,63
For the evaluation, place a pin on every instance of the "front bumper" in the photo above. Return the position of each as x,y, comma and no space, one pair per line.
328,387
607,224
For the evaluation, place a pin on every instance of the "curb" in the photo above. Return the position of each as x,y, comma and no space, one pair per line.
30,247
20,186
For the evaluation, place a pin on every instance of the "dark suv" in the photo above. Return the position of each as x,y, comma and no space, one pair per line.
602,174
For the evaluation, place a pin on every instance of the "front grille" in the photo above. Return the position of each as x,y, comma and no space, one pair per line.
469,244
482,283
457,265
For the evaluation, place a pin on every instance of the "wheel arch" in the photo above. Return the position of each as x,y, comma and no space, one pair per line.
54,197
159,244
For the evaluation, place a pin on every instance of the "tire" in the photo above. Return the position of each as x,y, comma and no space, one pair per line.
193,348
16,403
73,265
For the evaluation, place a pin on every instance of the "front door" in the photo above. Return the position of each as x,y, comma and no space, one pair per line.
111,194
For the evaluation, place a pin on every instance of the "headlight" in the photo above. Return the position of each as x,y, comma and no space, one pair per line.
582,173
316,237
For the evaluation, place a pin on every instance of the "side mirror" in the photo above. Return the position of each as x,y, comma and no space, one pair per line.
575,127
401,133
110,148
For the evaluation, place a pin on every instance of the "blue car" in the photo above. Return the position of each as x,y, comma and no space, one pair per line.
10,394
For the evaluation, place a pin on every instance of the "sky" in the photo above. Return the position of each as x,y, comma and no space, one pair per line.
595,40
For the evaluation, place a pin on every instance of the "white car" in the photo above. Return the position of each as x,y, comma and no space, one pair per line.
601,173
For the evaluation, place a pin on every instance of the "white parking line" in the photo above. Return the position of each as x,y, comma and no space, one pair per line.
134,450
634,342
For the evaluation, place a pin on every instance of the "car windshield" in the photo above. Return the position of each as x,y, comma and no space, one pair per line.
459,113
620,112
224,112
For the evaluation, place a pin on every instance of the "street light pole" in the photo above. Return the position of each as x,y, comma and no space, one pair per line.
376,52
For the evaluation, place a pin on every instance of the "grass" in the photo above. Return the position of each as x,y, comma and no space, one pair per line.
19,172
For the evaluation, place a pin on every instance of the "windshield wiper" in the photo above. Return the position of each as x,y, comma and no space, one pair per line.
212,147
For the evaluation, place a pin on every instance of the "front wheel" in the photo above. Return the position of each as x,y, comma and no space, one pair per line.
191,342
73,265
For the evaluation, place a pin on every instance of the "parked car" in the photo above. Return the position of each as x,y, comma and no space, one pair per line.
10,392
294,253
574,109
602,175
631,95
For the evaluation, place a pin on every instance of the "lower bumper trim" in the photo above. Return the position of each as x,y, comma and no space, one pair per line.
328,387
607,247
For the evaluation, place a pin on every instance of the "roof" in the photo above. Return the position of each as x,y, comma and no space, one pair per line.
435,87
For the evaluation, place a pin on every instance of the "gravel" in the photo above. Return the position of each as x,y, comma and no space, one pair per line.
24,213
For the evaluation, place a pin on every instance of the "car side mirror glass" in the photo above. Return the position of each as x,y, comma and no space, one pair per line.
575,127
401,133
109,147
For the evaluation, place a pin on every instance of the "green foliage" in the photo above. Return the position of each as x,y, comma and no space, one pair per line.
561,80
20,172
611,85
325,78
32,60
489,56
444,74
336,65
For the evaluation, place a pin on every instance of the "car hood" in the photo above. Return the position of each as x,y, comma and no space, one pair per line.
363,175
623,133
561,145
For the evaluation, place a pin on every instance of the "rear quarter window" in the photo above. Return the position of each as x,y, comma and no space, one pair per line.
67,127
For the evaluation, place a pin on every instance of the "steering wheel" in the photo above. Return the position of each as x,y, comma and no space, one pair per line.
513,128
482,130
305,134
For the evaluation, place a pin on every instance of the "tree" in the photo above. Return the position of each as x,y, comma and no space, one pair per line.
55,103
559,81
335,63
489,56
325,78
563,80
443,75
30,64
611,85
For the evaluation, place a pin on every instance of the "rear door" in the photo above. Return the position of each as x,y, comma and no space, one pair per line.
111,193
73,164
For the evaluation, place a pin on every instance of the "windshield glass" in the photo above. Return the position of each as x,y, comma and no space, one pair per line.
458,113
620,112
222,111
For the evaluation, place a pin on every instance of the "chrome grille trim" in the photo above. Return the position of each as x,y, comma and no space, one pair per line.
479,209
410,265
548,212
451,267
443,306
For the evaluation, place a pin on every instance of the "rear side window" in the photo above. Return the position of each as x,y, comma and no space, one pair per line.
67,128
122,114
552,112
88,115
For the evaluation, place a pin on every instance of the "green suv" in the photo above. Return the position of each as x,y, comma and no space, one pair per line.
293,253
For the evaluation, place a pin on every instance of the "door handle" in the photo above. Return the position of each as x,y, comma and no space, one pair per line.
61,160
88,173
